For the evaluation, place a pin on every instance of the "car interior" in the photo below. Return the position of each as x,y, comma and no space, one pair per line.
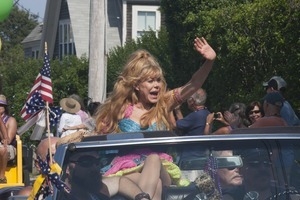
276,160
269,163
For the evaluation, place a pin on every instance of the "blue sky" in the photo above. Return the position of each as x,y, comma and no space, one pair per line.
34,6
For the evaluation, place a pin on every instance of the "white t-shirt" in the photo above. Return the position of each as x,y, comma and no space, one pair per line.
66,120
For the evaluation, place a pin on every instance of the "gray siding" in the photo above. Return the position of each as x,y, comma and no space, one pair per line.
114,24
78,13
28,52
64,14
80,21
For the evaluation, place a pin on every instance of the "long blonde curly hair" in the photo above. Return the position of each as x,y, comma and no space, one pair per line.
140,66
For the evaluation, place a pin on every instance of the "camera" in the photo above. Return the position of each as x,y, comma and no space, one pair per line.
217,115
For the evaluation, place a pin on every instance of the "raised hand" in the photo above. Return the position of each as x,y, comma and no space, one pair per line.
204,48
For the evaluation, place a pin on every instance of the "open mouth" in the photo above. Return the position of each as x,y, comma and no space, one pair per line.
154,94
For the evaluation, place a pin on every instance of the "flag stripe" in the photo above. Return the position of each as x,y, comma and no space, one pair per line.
43,85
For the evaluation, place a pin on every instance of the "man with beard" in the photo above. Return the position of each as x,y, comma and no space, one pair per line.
230,179
86,182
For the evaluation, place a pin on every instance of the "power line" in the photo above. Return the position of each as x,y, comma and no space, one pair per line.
23,8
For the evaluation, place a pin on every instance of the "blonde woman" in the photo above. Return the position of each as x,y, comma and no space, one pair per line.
140,101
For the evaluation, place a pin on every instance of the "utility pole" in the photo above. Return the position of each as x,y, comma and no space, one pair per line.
97,51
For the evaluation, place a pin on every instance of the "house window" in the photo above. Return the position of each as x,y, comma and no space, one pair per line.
35,53
145,18
66,41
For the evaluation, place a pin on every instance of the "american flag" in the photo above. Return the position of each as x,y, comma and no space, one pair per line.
43,85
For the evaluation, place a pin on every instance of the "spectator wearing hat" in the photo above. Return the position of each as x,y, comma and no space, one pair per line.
83,111
272,104
8,128
278,84
89,123
69,117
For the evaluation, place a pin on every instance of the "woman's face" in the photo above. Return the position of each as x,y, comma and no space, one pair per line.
149,90
255,114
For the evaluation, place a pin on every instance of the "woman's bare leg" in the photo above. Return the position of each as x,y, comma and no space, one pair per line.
3,161
135,177
158,191
149,179
165,177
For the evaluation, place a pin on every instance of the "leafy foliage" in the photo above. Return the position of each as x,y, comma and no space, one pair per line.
156,45
69,76
254,40
16,27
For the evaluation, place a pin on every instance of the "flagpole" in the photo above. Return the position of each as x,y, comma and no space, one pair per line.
48,121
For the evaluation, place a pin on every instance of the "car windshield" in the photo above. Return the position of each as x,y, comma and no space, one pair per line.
200,168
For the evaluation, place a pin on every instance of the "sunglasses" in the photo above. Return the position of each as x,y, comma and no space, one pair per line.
231,168
257,164
254,111
86,161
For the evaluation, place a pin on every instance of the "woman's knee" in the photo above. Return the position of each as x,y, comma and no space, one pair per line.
153,158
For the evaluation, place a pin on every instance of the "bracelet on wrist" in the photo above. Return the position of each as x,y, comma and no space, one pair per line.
208,124
142,195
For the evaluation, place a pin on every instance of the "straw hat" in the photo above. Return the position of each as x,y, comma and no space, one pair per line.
3,100
70,105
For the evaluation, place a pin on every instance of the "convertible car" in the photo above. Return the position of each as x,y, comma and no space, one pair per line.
247,164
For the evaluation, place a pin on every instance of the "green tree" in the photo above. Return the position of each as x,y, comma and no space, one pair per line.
156,45
18,74
254,40
16,27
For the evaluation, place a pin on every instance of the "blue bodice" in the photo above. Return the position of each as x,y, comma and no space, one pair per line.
128,125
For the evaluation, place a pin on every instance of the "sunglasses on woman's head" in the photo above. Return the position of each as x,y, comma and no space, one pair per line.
254,111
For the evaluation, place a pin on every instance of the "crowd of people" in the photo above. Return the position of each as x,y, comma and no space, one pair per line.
272,110
140,101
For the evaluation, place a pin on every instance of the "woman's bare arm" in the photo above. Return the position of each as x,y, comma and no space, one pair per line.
4,135
11,127
198,78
